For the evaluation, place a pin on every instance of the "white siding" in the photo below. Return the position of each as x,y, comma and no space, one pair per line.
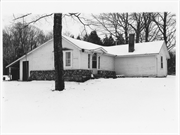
107,62
43,58
75,53
136,66
84,60
162,71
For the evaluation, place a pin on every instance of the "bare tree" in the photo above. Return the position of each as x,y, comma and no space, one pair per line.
58,54
9,51
18,41
147,19
57,34
114,24
166,24
123,20
137,24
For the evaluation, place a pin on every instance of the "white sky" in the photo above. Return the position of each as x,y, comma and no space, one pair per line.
45,24
38,8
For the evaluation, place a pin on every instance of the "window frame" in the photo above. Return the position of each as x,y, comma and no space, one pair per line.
98,62
65,60
89,61
161,62
94,61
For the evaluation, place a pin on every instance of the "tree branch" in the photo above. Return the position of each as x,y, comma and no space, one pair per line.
41,17
21,16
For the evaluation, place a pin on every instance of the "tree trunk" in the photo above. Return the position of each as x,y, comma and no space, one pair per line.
165,27
137,36
58,54
126,28
146,34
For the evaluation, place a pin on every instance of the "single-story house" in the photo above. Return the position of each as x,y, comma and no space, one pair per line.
81,59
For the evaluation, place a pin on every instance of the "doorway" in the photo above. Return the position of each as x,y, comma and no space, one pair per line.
25,70
94,63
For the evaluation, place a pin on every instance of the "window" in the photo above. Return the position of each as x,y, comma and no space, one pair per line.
89,60
161,62
94,61
99,62
68,59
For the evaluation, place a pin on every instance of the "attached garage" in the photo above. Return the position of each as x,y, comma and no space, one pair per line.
136,66
147,59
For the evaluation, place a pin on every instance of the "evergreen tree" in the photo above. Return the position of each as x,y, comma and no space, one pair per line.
111,40
78,37
86,37
72,36
120,40
94,38
108,41
105,41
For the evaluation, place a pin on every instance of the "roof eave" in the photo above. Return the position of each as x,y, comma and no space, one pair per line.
28,53
100,48
72,43
15,61
147,54
167,52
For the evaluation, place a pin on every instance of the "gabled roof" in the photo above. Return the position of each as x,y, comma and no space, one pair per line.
140,48
29,53
121,50
118,50
83,44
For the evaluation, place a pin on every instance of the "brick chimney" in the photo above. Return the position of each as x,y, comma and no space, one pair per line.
131,43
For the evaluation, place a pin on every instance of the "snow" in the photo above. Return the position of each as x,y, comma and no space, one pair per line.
121,50
83,44
140,48
122,105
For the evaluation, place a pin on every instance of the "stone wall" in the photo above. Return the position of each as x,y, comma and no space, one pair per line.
42,75
79,75
106,74
69,75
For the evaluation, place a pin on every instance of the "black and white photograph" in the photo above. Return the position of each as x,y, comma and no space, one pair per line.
90,68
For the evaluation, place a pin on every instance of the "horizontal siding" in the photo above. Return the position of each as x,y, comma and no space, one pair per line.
75,54
162,71
84,60
107,62
136,66
43,58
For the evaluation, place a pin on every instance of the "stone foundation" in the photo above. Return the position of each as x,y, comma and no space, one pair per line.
79,75
106,74
69,75
42,75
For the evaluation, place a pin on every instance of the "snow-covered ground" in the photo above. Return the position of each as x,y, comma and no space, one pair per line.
123,105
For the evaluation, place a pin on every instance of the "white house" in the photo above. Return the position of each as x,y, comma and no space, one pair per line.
81,59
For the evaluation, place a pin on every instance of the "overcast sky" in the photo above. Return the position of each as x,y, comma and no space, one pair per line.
46,24
38,8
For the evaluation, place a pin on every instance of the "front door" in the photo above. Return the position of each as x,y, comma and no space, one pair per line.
15,73
25,70
94,63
